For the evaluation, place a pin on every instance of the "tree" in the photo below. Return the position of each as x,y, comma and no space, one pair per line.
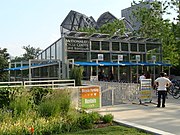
30,53
117,27
154,26
4,56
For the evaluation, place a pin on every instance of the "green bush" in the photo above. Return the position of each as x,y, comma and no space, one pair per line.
108,118
77,74
95,116
7,94
55,104
38,93
86,121
21,104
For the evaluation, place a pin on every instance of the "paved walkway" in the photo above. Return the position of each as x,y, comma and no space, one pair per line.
148,117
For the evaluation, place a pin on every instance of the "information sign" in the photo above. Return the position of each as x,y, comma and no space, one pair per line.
100,57
78,44
90,97
145,90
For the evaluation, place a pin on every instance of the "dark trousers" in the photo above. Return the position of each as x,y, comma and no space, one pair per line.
161,94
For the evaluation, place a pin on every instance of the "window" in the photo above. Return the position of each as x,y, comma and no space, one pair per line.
53,51
105,45
124,46
141,47
115,46
155,48
133,47
95,45
77,56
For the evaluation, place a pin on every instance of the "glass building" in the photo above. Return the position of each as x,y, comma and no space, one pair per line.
126,57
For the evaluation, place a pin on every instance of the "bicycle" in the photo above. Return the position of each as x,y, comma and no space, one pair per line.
175,89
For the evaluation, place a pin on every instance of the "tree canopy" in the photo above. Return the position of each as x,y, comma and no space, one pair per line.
154,26
117,27
30,53
4,56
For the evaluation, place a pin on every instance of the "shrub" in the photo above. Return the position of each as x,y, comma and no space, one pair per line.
7,94
108,118
38,93
86,121
55,104
95,116
77,74
21,104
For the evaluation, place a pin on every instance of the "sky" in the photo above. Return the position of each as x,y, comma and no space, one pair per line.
37,22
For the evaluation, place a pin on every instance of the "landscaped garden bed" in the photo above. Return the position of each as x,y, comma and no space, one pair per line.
43,111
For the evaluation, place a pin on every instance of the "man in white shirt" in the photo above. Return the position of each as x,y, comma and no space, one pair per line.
162,82
142,77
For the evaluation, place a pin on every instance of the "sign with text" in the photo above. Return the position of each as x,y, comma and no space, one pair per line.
153,58
90,97
138,57
120,58
145,90
78,44
100,57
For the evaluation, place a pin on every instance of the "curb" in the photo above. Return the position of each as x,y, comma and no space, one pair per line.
141,127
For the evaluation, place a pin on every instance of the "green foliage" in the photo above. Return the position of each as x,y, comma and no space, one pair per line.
90,30
7,94
86,121
52,115
30,53
4,56
108,118
77,74
116,27
95,116
21,104
110,130
154,26
55,104
38,93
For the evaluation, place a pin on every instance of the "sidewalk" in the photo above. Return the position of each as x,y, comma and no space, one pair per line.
148,117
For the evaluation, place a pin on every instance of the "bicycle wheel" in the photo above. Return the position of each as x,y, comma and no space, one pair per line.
176,93
170,89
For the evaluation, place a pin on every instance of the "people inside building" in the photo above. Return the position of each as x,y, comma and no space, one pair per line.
161,83
148,75
111,76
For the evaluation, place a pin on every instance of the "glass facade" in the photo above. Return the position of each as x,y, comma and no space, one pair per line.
87,50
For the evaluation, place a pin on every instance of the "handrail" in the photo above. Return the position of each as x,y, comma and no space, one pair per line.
43,83
11,84
50,83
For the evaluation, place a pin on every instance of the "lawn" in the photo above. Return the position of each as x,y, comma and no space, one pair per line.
111,130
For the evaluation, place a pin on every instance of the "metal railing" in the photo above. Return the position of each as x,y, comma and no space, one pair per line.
44,83
11,84
115,93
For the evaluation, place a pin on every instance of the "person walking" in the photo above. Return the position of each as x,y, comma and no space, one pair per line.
161,83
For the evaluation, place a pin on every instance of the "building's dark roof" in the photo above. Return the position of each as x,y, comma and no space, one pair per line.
75,20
